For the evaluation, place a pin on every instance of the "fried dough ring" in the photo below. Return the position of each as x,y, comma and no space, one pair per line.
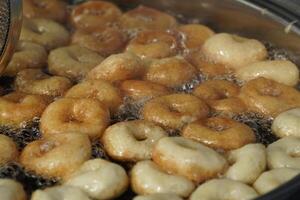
101,90
221,95
34,81
57,155
268,97
86,116
175,110
185,157
17,108
27,55
220,133
93,15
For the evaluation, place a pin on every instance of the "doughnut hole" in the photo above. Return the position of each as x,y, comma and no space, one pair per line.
73,61
233,51
101,90
50,9
27,55
227,189
57,155
281,71
45,32
8,150
94,15
148,178
34,81
105,42
221,96
131,141
139,90
87,116
153,44
274,178
145,18
287,123
214,132
17,108
170,72
175,110
284,153
111,179
207,67
268,97
185,157
11,190
60,192
194,35
118,67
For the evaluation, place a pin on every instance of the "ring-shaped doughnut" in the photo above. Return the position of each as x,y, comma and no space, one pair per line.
220,133
175,110
284,153
281,71
287,123
131,140
93,15
145,18
86,116
253,155
17,108
57,155
221,96
194,35
148,178
35,81
223,189
118,67
101,90
153,44
45,32
207,67
73,61
233,51
27,55
268,97
105,42
188,158
50,9
171,72
274,178
142,90
100,179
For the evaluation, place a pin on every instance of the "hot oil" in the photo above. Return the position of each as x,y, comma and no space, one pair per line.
22,136
130,111
98,150
260,125
30,181
275,53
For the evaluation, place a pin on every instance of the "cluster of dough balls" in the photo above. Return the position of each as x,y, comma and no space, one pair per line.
78,70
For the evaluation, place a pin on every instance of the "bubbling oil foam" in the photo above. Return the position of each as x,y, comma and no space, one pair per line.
29,180
260,125
22,136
